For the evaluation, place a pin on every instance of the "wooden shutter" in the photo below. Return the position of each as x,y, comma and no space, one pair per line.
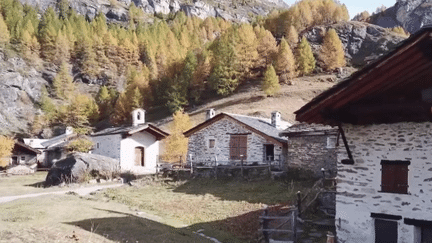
394,177
238,146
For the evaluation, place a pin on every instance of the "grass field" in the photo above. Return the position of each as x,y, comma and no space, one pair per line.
149,211
227,210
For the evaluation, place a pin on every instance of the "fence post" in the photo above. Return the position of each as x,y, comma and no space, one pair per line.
269,165
241,165
181,161
265,226
294,225
299,203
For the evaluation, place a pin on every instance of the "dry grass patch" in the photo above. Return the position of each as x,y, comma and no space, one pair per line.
71,218
226,209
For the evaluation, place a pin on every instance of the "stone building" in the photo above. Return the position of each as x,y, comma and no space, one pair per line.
24,155
229,138
312,147
384,178
51,149
136,147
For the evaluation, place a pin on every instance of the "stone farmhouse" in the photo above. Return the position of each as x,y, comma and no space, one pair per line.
52,149
24,155
136,147
312,147
384,115
230,138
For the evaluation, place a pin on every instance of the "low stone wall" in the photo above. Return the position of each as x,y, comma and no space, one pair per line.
313,153
233,172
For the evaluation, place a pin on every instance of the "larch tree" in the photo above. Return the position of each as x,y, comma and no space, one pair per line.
4,32
285,61
266,46
332,52
270,84
63,83
305,58
291,36
6,146
176,144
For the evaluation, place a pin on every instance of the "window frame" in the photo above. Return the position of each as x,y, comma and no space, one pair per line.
211,143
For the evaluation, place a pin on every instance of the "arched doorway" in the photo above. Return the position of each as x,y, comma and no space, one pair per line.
139,156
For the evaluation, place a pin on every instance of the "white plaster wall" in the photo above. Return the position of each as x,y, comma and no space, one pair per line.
359,184
127,155
109,145
198,143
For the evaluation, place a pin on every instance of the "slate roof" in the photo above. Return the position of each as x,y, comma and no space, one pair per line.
260,125
129,130
308,129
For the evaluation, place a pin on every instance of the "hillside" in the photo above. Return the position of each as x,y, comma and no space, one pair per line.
252,101
67,68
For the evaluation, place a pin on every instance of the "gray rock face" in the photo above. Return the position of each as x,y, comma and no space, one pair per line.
362,42
77,166
410,14
20,88
118,12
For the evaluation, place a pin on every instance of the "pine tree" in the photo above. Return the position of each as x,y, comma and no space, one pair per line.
285,62
4,32
270,84
332,52
305,57
6,146
176,143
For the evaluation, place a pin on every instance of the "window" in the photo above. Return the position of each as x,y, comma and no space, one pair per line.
212,143
97,145
386,231
238,146
23,159
331,142
394,176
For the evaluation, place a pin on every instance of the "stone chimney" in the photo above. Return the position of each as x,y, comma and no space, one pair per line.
69,130
138,117
210,113
276,119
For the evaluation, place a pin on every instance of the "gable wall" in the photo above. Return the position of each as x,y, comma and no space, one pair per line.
311,152
358,185
127,154
109,145
198,143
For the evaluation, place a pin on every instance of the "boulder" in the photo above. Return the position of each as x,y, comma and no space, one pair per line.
79,167
21,170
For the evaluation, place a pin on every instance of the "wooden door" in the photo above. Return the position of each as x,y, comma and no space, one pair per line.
139,156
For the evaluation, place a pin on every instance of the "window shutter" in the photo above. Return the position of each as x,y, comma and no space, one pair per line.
401,178
394,177
238,146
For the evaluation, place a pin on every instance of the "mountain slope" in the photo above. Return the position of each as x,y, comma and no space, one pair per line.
117,10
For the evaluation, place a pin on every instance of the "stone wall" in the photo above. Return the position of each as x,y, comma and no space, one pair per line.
313,153
198,146
359,185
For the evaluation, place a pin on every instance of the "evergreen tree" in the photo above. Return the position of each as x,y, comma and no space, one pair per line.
305,57
332,52
285,62
176,143
270,83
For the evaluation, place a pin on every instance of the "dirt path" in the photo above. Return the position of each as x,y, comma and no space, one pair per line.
79,191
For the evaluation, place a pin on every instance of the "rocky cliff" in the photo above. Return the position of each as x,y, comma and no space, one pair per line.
20,90
117,10
410,14
362,42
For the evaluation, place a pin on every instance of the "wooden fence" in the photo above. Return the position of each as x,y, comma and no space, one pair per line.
279,227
